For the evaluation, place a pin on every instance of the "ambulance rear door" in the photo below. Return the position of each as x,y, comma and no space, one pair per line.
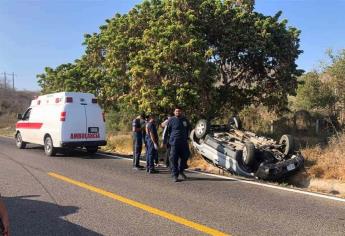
73,118
95,120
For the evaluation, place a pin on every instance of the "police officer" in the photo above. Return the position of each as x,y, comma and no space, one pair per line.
178,129
137,128
152,144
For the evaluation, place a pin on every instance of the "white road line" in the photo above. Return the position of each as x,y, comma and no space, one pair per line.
275,187
253,182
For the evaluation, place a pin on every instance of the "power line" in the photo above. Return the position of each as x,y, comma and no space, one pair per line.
5,83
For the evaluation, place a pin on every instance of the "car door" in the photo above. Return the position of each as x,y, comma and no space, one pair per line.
24,126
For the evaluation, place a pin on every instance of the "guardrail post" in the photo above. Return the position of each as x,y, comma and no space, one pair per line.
317,126
272,127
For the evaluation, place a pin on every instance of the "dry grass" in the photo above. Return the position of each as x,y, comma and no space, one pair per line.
7,132
328,162
7,121
198,163
120,143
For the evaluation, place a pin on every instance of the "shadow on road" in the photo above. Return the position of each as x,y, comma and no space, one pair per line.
34,217
77,153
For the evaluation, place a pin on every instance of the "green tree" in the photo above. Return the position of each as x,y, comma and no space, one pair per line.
210,56
313,94
337,72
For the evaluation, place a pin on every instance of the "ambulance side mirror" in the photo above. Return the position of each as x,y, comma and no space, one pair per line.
19,117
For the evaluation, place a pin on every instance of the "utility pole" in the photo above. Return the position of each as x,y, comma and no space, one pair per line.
8,84
5,80
13,81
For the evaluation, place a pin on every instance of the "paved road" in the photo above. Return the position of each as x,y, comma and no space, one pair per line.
40,204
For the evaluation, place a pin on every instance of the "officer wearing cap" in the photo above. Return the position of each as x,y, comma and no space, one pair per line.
137,128
152,144
176,136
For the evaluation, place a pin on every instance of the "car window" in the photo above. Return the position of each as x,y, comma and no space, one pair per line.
26,115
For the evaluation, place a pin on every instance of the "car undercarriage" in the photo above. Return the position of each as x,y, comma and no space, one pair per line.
244,153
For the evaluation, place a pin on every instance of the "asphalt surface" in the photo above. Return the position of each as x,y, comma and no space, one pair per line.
42,205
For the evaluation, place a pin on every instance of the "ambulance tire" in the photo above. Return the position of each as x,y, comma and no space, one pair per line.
91,150
49,147
19,141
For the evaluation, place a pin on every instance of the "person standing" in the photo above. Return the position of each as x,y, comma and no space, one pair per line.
164,125
4,221
152,144
137,128
176,136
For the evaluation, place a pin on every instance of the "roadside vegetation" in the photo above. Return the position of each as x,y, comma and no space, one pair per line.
327,162
11,103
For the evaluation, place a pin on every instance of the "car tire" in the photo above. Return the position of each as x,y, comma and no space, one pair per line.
202,127
91,150
287,143
49,149
234,123
248,154
19,141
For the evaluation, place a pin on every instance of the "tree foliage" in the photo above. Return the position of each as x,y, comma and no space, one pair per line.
210,56
324,90
313,94
337,72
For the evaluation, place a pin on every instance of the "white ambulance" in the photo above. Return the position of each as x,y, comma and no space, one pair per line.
62,120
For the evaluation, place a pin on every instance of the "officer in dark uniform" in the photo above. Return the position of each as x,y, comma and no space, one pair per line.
137,129
152,145
178,129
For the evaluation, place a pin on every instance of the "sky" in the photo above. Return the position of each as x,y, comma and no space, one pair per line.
38,33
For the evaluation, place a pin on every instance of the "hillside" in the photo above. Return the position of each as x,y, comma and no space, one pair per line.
11,103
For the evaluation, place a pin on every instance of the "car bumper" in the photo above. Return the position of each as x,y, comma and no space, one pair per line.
84,143
274,171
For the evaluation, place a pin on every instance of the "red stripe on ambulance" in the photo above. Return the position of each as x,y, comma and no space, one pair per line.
28,125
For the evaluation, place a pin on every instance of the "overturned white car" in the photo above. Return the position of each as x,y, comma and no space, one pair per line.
244,153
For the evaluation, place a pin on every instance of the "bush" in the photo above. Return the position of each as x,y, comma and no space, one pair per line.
327,162
119,121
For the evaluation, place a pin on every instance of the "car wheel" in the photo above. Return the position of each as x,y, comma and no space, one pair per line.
234,123
49,147
287,143
91,150
248,154
19,141
202,128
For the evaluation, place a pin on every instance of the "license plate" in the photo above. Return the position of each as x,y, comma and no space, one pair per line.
93,129
290,167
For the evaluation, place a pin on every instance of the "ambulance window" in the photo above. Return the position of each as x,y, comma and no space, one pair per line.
26,115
